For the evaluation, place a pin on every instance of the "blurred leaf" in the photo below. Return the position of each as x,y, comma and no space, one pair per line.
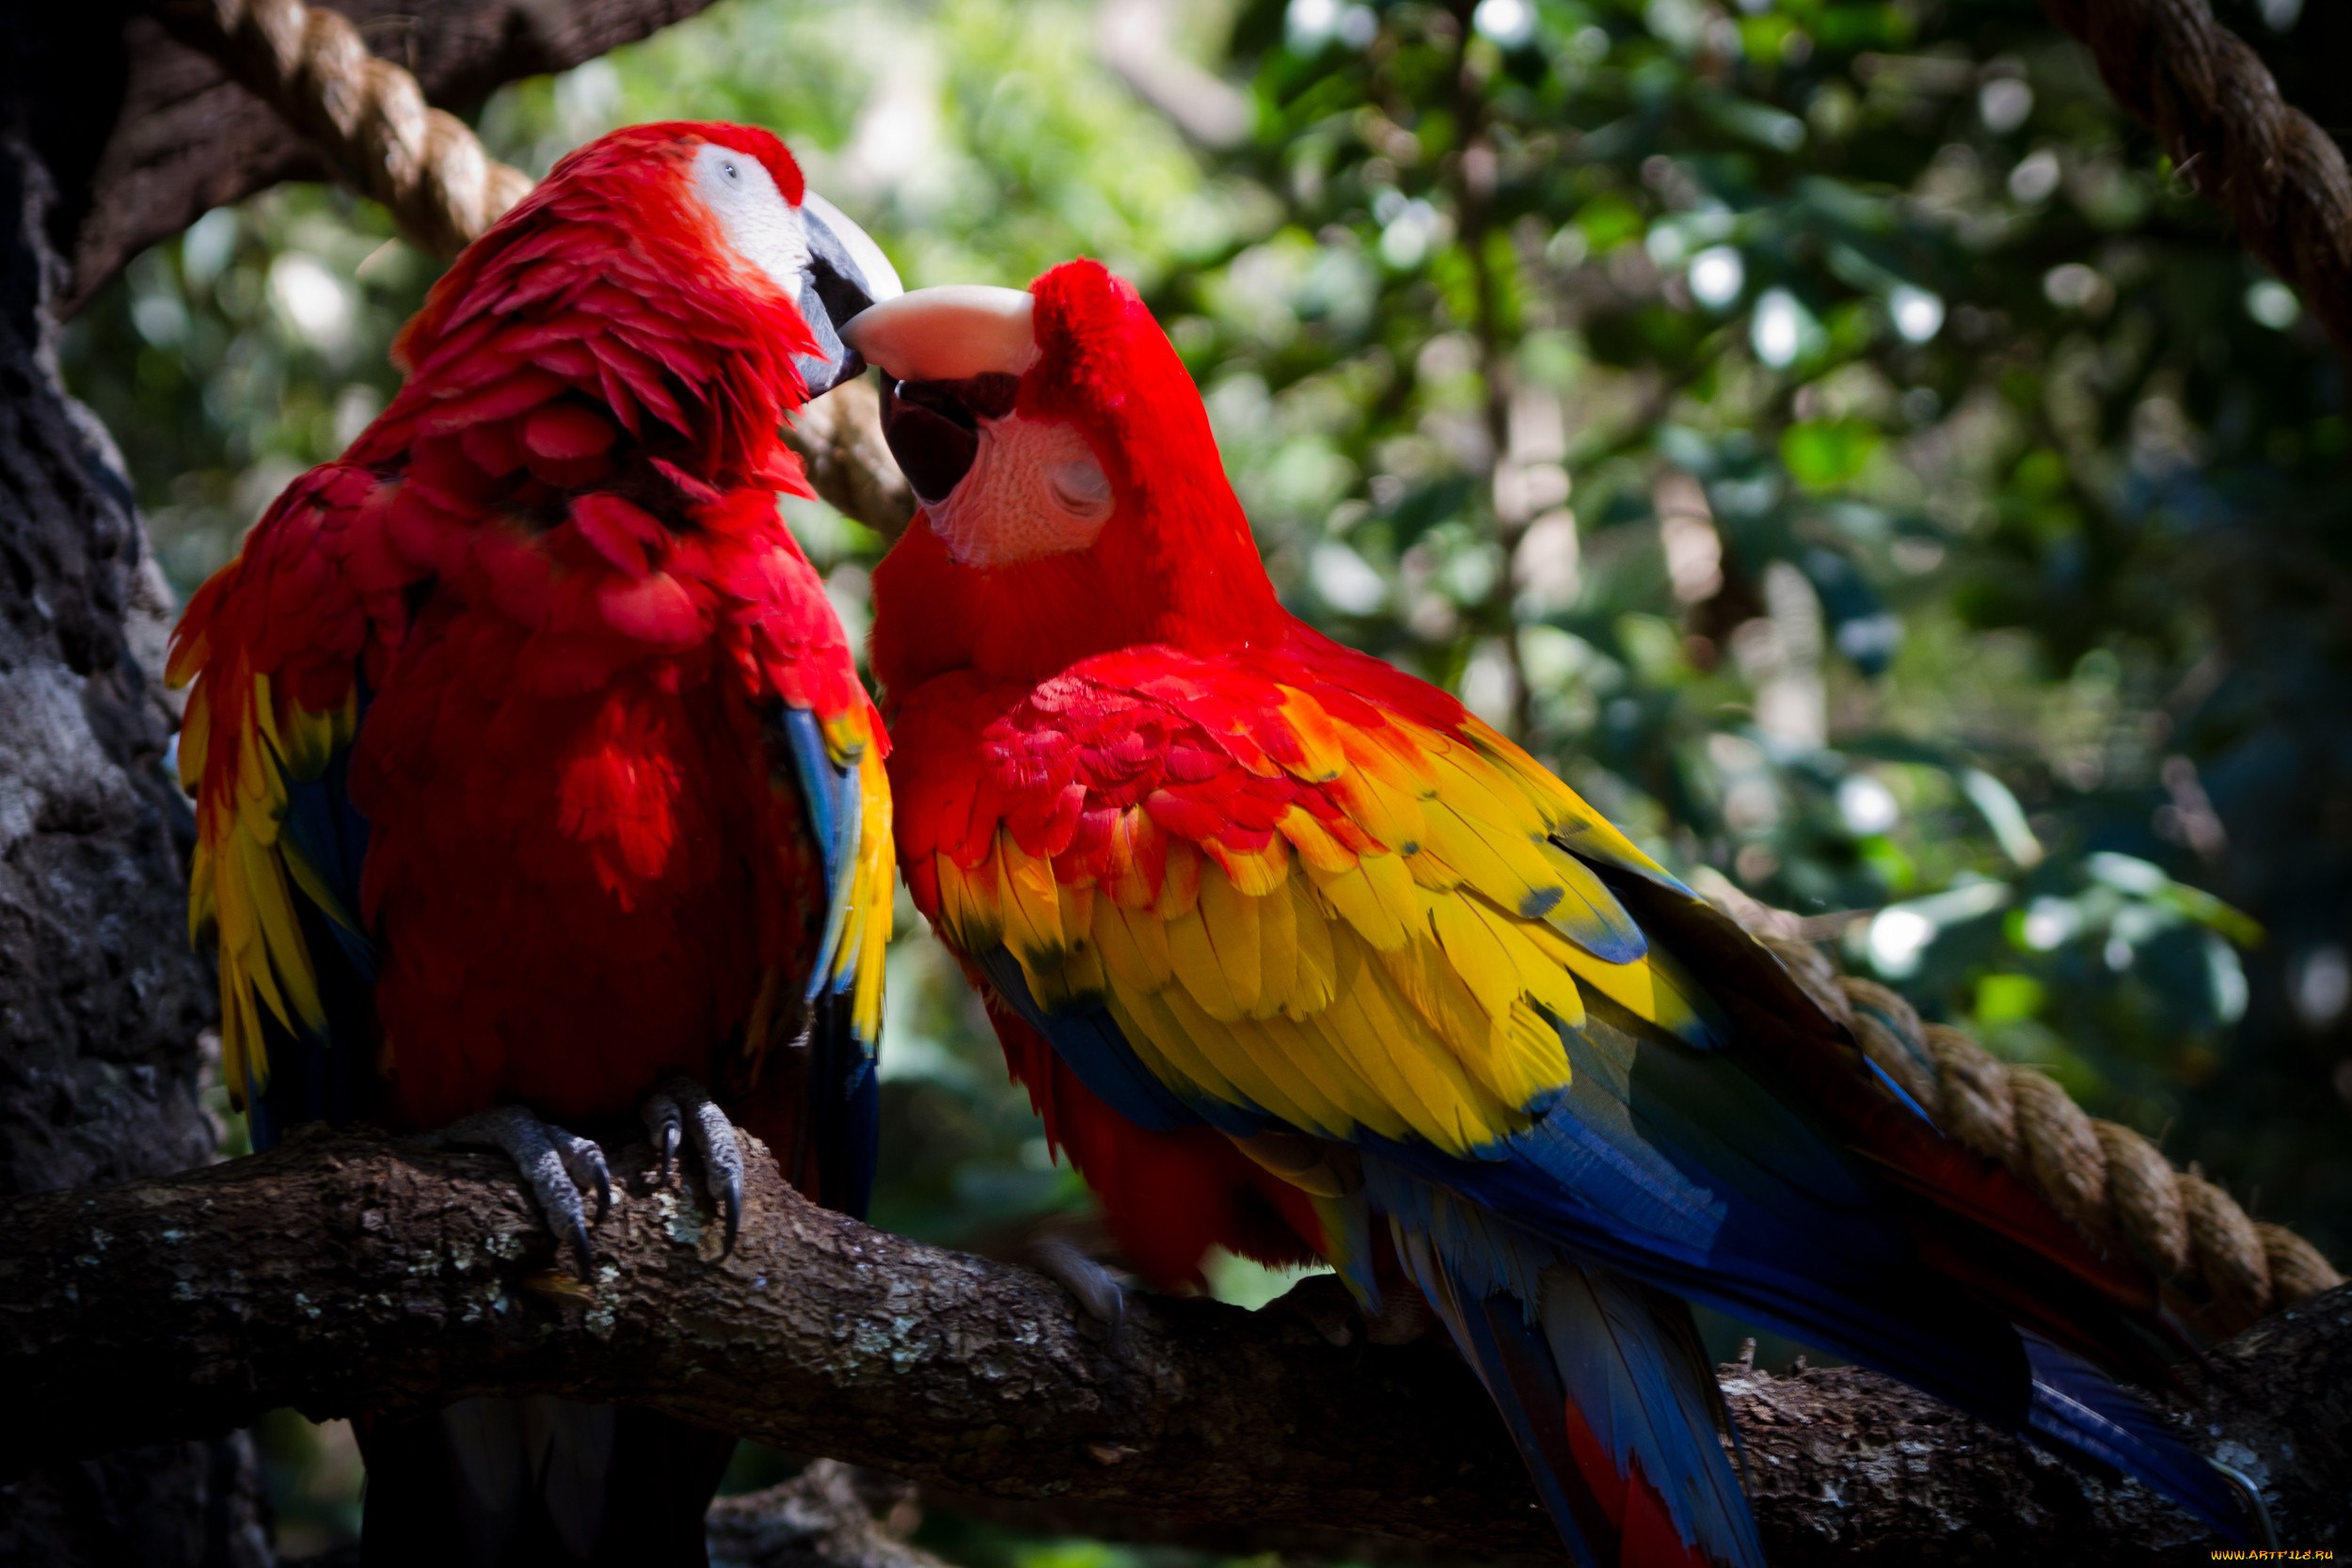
1823,454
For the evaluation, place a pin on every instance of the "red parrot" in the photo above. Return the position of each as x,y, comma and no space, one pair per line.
534,777
1296,955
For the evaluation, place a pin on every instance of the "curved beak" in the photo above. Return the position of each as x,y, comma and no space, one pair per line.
952,360
847,274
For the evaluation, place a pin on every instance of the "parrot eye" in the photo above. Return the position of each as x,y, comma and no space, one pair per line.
1081,487
757,223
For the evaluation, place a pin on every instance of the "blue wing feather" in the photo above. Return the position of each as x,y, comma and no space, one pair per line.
844,1102
331,835
829,791
1089,1040
1688,1168
2078,1407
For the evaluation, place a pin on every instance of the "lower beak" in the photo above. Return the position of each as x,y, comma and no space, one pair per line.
933,427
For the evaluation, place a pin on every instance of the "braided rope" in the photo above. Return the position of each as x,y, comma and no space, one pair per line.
2282,179
2223,1268
366,116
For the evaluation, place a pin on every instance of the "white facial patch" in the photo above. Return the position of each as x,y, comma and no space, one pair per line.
762,227
1034,490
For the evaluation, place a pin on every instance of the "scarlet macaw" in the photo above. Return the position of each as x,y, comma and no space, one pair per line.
534,779
1296,955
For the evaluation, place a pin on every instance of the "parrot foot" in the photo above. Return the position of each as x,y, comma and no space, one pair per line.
682,1108
1068,1264
558,1166
1333,1311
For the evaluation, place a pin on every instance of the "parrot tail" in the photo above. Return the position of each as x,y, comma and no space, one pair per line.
2081,1410
522,1483
1605,1387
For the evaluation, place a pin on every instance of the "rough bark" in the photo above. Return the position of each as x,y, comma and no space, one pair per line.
101,999
341,1272
829,1516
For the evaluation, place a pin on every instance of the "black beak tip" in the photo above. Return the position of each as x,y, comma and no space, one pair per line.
834,362
823,375
830,301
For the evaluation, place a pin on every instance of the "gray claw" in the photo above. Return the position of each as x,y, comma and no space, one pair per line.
662,1119
584,1163
1097,1288
555,1165
683,1106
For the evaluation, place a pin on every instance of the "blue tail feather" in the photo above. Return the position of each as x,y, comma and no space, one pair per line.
2080,1409
1550,1336
1510,1359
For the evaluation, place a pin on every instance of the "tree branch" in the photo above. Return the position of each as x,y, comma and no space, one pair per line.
821,1519
341,1274
147,134
839,438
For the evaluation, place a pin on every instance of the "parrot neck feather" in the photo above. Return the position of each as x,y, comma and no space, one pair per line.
1193,583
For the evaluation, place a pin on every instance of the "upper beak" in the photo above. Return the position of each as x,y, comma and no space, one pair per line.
847,274
952,360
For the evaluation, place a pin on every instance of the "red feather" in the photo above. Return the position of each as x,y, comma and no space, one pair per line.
1168,1197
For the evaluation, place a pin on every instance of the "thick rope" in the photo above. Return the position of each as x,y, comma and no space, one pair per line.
2282,179
2224,1268
368,118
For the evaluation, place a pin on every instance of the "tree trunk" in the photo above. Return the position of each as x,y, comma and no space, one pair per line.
101,999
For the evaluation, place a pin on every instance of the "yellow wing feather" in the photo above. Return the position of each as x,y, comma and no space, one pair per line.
1405,968
868,943
245,872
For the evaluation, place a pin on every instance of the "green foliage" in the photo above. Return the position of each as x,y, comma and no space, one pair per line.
1824,430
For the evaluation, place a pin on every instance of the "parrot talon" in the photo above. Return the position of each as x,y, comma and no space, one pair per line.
1097,1289
585,1163
554,1163
662,1123
683,1107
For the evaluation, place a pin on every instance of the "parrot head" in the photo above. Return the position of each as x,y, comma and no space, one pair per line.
1072,498
710,219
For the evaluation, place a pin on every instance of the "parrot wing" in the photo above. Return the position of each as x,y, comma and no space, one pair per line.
1299,893
815,1100
272,649
837,774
